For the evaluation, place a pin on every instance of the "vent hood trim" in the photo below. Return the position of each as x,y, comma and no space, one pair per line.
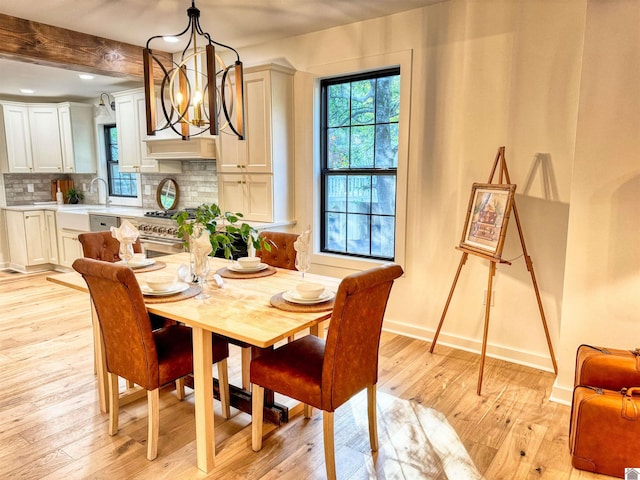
196,148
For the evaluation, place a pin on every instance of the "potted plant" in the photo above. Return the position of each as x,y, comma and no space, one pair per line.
223,229
74,195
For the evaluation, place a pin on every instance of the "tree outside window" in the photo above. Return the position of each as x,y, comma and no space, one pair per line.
359,149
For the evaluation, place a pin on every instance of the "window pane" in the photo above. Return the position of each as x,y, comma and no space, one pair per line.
387,145
336,232
336,193
362,140
338,105
338,148
383,200
359,194
358,234
363,95
382,236
388,99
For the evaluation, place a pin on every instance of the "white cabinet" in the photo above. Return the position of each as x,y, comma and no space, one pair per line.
45,139
132,129
70,247
251,195
52,232
30,240
260,168
15,139
77,138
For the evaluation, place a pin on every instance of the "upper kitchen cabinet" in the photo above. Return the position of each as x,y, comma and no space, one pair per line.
268,96
46,146
77,137
15,139
256,174
47,138
132,130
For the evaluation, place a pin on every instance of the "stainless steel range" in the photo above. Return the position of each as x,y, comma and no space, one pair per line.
159,233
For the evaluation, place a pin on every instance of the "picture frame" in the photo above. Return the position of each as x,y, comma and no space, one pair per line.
487,218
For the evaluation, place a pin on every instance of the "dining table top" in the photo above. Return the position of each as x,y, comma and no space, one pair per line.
241,309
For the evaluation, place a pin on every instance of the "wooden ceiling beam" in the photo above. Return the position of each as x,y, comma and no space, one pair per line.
33,42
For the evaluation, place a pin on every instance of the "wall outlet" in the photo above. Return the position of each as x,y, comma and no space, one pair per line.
30,187
84,187
147,189
493,298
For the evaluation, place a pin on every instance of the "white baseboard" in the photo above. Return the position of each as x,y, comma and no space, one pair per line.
561,395
528,359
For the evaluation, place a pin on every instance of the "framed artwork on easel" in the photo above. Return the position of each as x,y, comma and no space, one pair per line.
487,217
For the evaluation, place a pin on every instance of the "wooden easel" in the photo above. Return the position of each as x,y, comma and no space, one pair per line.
503,174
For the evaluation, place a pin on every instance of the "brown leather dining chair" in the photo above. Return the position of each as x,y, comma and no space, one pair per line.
282,253
103,246
146,357
326,374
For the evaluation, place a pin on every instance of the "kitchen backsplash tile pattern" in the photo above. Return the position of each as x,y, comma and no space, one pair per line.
198,184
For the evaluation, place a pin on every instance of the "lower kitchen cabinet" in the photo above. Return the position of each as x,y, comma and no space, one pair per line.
32,240
70,247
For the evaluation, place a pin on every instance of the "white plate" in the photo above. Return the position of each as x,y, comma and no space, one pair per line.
235,267
293,297
143,263
177,288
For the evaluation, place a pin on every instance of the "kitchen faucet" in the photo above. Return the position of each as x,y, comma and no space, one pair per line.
106,190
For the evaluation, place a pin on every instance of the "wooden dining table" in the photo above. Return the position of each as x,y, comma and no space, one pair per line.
241,310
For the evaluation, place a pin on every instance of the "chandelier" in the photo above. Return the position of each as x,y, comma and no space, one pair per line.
197,94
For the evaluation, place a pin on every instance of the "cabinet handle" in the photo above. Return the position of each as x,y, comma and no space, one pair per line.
238,166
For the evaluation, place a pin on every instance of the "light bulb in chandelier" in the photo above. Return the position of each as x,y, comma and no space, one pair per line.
196,94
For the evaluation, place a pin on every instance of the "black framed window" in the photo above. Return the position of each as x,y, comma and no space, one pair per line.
120,184
359,153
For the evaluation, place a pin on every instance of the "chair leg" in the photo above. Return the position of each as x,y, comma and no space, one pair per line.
329,448
223,383
130,384
114,402
373,420
257,404
153,401
180,388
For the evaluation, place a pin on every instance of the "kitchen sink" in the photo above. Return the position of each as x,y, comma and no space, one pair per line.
74,217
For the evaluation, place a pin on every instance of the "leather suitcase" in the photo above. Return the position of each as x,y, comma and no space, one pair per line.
607,368
604,431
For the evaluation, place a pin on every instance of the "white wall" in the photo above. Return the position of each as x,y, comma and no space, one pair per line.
513,73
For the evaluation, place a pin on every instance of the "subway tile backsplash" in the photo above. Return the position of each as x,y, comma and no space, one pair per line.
198,183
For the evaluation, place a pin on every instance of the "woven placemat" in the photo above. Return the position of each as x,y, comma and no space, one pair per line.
150,268
226,273
280,303
192,291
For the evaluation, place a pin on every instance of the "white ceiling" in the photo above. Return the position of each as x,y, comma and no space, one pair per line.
238,23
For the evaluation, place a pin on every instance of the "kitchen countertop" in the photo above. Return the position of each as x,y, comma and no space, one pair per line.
121,211
117,211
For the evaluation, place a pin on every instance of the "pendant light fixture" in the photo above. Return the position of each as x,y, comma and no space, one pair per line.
196,93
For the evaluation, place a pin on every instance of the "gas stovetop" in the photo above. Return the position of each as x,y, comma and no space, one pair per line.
169,213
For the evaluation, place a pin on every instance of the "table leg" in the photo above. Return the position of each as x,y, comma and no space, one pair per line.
203,386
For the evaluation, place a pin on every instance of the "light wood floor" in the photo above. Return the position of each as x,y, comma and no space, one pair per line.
51,426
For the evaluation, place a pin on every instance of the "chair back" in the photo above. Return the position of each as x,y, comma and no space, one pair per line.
282,253
124,322
351,353
103,246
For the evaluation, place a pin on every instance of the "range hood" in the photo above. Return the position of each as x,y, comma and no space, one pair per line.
196,148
